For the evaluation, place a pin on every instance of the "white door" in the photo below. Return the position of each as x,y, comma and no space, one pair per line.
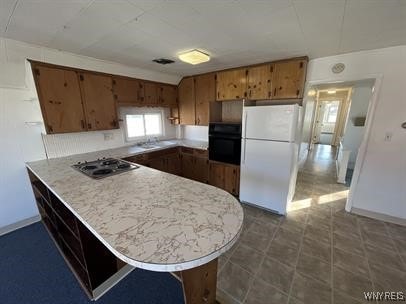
266,168
270,122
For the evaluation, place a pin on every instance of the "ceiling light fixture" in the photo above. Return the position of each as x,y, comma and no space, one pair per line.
194,57
331,92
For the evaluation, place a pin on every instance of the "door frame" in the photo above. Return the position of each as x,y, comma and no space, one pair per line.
360,160
342,115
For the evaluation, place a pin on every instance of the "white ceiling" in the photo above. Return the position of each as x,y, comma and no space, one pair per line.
233,32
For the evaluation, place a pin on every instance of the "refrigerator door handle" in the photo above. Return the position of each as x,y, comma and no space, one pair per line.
245,145
245,125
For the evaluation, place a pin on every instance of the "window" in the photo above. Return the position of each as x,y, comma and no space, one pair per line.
143,125
331,111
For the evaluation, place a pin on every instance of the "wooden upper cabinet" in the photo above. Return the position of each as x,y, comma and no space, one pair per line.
151,93
98,100
288,79
186,99
231,84
60,100
128,90
168,95
259,82
205,93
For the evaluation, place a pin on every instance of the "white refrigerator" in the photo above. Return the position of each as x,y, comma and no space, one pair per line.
269,155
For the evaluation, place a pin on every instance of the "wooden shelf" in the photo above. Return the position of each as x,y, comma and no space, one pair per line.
90,261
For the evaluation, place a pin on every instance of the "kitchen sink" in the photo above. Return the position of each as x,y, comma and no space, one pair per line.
149,146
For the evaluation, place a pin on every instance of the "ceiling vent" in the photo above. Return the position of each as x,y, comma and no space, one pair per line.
163,61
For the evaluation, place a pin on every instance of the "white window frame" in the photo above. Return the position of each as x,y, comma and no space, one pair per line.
328,112
142,111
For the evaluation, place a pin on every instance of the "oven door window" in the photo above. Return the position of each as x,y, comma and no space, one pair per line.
225,150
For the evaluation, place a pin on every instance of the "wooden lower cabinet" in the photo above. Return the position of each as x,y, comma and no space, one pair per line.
225,176
91,261
188,165
200,283
195,164
192,164
173,164
201,168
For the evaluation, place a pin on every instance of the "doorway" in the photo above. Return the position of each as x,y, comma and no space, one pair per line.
334,131
330,117
327,113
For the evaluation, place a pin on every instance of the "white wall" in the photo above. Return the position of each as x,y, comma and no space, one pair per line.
21,122
381,187
353,135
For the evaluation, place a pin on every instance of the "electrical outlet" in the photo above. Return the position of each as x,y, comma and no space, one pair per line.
388,136
108,136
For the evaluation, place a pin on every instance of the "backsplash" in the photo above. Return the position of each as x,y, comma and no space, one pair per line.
59,145
195,132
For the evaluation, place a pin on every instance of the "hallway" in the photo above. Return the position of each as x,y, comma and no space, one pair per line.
317,180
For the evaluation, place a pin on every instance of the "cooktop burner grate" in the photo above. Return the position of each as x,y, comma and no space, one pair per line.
104,167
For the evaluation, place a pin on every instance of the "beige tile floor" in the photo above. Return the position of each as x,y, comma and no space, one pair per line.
318,253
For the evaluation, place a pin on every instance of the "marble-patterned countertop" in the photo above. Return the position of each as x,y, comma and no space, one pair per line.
148,218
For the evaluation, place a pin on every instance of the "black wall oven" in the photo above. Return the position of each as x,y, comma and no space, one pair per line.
225,142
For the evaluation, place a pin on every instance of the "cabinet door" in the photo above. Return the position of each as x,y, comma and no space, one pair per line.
168,95
205,86
151,93
99,104
259,82
216,175
231,85
158,163
231,179
288,79
60,99
188,166
174,164
186,92
128,90
201,170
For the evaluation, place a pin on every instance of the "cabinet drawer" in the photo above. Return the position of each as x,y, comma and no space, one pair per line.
187,150
138,159
201,153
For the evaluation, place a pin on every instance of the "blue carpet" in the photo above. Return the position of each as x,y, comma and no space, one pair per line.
33,272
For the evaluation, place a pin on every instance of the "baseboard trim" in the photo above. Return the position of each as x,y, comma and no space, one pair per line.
379,216
112,281
12,227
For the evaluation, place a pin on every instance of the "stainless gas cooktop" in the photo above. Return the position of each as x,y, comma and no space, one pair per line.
104,167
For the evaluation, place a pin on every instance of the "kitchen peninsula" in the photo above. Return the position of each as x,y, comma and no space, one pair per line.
143,218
